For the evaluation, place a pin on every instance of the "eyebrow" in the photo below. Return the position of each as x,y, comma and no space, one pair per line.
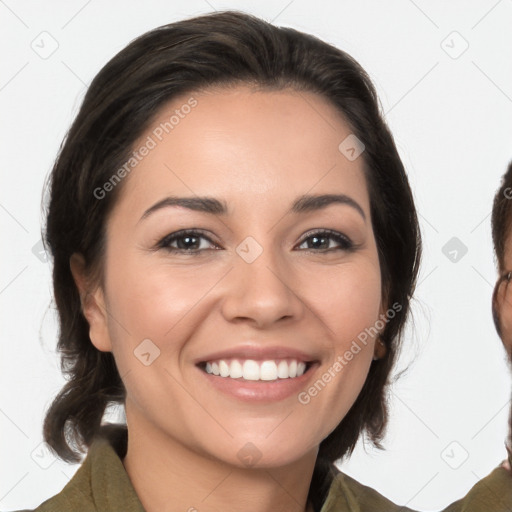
303,204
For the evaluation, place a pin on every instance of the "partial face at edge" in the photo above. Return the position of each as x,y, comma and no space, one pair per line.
504,302
256,277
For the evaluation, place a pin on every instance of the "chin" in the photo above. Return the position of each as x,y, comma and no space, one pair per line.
262,453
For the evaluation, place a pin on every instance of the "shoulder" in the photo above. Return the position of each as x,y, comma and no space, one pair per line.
492,493
76,495
101,482
348,495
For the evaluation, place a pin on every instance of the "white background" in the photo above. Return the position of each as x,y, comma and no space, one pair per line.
452,120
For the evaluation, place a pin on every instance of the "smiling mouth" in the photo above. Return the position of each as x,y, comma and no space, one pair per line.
252,370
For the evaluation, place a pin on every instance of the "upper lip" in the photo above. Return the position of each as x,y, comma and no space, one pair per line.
256,352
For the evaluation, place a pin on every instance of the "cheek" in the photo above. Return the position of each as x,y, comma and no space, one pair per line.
152,297
506,330
152,313
504,309
347,302
154,302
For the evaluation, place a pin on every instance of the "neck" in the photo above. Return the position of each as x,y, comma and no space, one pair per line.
170,477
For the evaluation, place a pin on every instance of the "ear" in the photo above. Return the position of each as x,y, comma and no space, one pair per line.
93,305
502,309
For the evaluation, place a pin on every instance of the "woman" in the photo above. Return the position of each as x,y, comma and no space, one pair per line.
235,245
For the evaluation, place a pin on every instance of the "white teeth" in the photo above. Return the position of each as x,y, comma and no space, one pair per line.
224,369
268,370
235,371
282,370
292,369
253,370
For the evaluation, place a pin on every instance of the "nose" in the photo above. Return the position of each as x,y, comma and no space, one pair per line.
262,293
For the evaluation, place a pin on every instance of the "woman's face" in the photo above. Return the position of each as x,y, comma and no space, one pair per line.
258,290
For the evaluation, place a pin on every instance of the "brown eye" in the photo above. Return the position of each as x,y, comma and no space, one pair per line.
186,241
322,241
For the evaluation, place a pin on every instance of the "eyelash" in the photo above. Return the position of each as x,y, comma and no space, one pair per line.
345,243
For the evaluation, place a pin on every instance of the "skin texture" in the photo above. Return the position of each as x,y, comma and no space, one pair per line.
504,310
504,301
258,151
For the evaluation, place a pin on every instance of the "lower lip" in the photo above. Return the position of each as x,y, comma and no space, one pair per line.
259,390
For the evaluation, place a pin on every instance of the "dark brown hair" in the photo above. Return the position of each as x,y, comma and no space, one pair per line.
501,219
220,49
501,223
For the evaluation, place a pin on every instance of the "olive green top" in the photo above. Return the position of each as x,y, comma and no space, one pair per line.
101,484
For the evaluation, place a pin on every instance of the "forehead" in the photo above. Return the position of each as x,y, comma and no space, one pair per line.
246,144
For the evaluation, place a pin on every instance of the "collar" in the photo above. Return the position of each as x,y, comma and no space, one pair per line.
101,483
